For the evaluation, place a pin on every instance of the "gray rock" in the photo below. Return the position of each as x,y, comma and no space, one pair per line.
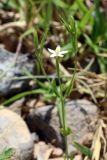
79,115
15,134
8,70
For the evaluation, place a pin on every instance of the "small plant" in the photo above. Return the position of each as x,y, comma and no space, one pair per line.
57,54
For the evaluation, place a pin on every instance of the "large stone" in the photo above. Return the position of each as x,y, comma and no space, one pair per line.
9,68
15,134
79,115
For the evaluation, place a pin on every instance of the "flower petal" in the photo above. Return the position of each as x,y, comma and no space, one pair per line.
60,55
53,55
58,48
57,52
51,51
63,52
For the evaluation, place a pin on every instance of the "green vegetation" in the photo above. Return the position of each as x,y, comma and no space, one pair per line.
79,29
7,154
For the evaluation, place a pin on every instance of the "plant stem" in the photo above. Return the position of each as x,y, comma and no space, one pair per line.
62,114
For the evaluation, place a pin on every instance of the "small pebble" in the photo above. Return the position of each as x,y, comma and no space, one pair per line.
57,152
78,157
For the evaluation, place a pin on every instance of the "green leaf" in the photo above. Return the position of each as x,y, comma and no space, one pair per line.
86,19
70,25
36,42
83,149
100,25
67,131
60,3
23,94
28,32
7,154
82,6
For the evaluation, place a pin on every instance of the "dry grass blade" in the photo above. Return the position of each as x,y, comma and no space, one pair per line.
12,24
99,141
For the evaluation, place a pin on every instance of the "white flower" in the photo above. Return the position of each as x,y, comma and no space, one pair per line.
57,52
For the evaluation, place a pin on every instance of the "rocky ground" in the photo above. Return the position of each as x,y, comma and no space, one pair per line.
32,128
44,136
29,121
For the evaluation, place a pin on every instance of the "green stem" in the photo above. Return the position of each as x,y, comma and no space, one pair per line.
61,94
62,115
